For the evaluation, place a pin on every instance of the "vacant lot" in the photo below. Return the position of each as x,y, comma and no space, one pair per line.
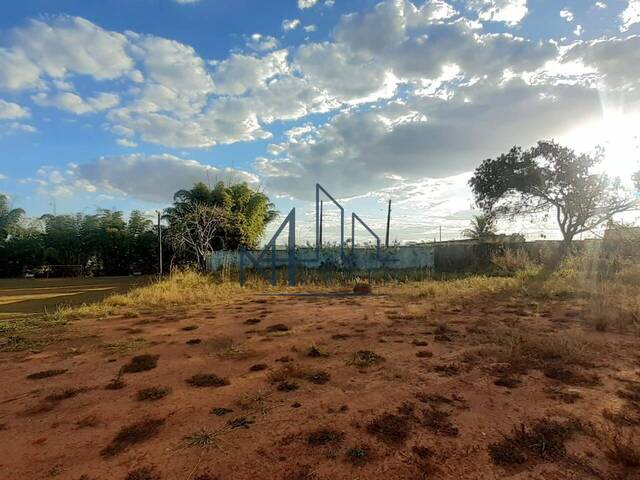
473,380
36,295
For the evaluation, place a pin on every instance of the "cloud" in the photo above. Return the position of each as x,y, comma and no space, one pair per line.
73,103
288,25
153,178
3,176
566,14
125,142
12,111
631,15
186,2
616,60
262,43
359,152
306,3
66,45
510,12
12,128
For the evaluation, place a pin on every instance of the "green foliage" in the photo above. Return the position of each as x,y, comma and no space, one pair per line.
483,228
547,178
103,243
244,213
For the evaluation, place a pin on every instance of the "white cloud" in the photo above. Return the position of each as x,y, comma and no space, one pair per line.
125,142
600,5
288,25
566,14
306,3
3,176
12,128
12,111
631,15
17,72
310,28
510,12
262,43
152,177
66,45
359,152
73,103
240,73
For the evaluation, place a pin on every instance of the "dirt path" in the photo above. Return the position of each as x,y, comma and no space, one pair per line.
421,402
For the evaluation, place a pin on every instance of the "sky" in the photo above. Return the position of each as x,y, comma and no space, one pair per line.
119,103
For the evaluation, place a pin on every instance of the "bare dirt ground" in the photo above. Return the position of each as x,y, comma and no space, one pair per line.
326,387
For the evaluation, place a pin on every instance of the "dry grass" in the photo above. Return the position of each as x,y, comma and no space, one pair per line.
182,288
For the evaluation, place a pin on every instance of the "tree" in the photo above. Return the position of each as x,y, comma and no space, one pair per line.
9,217
194,230
483,228
550,178
247,211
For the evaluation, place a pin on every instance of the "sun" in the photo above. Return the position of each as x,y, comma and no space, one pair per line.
619,134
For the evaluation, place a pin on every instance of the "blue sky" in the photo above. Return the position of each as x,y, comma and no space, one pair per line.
118,103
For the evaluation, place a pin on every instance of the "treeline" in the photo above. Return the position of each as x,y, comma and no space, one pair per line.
201,220
100,244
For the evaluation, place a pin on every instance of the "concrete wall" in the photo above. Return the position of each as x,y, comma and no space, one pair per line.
421,256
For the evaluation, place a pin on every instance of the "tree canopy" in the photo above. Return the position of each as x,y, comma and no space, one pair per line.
243,212
551,178
483,227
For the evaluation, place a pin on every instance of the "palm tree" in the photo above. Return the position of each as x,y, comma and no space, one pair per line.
9,217
483,227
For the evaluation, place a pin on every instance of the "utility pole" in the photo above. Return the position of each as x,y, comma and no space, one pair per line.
321,216
159,244
386,238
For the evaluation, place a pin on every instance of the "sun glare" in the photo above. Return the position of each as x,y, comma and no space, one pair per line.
619,134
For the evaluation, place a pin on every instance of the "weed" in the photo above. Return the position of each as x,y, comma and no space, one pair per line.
365,358
143,473
132,434
116,383
507,382
124,346
390,428
203,438
220,411
278,327
287,386
359,455
319,377
207,380
315,352
438,422
46,374
570,377
325,436
544,439
447,370
152,393
141,363
64,394
240,422
565,396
